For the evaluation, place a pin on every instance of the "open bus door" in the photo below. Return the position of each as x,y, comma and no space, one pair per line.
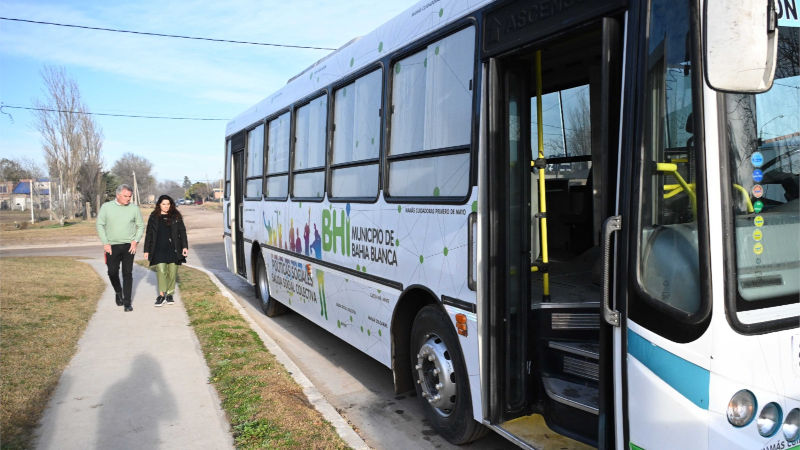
236,205
552,181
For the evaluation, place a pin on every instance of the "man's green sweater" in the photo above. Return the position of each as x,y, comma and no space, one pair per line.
118,224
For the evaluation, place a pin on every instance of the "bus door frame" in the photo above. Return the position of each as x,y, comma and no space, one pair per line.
237,201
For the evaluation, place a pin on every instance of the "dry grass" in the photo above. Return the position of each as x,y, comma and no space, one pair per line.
267,409
16,229
45,304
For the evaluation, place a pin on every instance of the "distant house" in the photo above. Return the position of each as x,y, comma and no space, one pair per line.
21,195
217,194
6,192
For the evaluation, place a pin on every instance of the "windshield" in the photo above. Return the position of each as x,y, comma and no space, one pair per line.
764,145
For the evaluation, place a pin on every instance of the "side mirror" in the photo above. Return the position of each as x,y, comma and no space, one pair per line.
741,44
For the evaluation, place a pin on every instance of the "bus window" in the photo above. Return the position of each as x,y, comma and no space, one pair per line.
668,261
356,138
278,157
309,149
763,132
566,135
431,112
255,162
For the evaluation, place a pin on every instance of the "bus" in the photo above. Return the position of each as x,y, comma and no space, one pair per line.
575,223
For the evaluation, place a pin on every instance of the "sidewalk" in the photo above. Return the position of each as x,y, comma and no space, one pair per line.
138,380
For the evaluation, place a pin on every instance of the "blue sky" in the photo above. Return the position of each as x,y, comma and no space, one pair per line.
141,75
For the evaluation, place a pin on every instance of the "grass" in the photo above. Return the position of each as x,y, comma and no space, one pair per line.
47,231
45,304
266,408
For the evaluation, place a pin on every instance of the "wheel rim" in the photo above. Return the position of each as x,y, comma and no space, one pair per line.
263,286
436,375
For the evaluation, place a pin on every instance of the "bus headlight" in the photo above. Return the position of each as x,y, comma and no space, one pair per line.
770,419
791,427
741,408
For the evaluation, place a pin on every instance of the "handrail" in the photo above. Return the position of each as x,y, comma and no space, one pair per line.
542,200
746,196
672,169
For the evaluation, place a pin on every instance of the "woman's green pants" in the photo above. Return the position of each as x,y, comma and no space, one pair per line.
166,272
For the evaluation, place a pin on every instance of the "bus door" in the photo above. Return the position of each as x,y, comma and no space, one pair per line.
552,163
237,202
661,307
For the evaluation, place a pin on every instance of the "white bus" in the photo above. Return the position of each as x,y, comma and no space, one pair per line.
572,222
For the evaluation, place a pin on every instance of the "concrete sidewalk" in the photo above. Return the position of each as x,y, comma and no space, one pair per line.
138,380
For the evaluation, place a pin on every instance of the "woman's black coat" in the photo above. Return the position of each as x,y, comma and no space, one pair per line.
178,231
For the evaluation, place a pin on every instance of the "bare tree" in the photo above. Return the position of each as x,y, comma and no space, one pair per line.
63,121
127,165
91,172
171,188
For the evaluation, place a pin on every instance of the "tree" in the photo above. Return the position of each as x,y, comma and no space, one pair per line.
109,183
171,188
19,169
67,133
90,175
129,164
186,185
199,191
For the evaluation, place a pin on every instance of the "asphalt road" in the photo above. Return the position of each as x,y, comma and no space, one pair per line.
358,387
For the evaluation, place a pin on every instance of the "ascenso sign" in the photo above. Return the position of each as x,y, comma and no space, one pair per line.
787,13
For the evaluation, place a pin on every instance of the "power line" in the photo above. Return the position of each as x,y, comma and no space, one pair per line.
107,114
165,35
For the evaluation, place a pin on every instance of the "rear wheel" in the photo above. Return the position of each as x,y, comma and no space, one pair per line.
269,305
441,377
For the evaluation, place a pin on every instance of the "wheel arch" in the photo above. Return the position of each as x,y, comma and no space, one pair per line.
413,299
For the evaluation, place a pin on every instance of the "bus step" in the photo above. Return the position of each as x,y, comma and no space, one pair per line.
574,321
579,359
585,398
589,350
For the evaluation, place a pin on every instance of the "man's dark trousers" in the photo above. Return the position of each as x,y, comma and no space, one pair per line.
121,253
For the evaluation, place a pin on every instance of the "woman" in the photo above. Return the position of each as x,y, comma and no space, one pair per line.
166,246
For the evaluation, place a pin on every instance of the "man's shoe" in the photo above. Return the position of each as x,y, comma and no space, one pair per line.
169,299
160,300
128,308
119,298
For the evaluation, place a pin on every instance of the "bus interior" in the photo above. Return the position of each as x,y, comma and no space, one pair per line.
552,292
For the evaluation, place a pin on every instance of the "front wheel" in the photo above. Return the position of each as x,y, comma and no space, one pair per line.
269,305
441,377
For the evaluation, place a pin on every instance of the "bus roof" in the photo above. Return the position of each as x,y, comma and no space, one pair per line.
413,23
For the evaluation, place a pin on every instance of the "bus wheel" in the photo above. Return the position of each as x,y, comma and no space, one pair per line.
269,305
441,377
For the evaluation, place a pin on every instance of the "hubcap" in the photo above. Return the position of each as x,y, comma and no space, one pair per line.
436,375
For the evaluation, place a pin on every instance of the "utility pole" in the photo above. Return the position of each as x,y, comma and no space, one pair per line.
32,218
135,190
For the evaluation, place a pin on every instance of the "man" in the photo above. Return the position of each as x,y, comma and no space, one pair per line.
120,227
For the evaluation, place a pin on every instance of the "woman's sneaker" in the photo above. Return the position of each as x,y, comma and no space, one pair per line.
169,299
160,300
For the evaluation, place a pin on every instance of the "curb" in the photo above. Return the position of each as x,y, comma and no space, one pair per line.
345,431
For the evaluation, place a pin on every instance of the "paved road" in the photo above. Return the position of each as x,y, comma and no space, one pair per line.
359,387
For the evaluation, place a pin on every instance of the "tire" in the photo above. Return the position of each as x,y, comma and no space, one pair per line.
269,305
435,350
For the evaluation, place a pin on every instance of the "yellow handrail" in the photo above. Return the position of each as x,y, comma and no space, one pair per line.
746,196
672,169
542,201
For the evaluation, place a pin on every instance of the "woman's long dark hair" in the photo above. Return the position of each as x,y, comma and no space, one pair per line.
173,214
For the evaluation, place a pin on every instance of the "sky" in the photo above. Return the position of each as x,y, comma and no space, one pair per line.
120,73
